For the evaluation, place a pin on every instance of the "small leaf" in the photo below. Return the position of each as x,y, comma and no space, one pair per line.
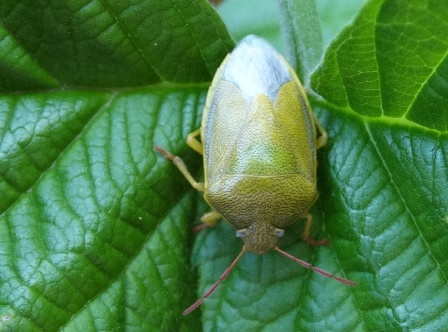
303,34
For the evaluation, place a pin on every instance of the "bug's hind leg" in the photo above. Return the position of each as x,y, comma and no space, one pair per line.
307,230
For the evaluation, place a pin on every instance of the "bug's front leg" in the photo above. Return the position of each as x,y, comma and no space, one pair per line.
193,142
211,218
179,163
322,139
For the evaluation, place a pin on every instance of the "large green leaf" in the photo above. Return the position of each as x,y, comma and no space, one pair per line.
92,235
95,230
385,84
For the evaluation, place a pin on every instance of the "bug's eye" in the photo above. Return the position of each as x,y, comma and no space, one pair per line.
241,233
279,232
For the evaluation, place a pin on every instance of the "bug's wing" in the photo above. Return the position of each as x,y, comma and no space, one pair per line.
257,113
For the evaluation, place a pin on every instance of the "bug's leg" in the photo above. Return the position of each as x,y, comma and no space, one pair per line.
193,142
182,168
208,220
322,139
307,230
320,142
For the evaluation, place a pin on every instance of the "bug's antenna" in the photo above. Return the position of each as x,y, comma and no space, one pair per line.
216,284
315,269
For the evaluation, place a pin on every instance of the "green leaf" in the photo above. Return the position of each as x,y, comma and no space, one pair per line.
304,36
335,15
110,43
95,230
92,235
248,17
100,228
384,81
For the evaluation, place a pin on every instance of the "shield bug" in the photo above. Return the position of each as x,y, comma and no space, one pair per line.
258,141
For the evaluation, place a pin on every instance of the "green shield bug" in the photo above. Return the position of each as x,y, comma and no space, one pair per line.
259,142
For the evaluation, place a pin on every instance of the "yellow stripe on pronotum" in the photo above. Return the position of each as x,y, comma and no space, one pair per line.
259,142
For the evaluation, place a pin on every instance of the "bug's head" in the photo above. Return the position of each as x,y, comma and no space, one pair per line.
260,237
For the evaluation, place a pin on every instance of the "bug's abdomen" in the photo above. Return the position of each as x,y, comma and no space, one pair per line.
279,200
